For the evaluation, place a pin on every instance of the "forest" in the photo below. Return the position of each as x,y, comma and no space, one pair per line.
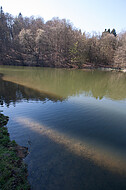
29,41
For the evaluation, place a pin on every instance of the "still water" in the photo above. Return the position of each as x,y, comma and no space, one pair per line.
74,123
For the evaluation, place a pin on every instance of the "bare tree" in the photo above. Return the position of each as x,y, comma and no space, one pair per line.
120,54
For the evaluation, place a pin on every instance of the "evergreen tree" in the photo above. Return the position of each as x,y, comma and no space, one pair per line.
114,32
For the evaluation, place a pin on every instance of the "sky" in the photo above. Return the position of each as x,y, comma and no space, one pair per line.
87,15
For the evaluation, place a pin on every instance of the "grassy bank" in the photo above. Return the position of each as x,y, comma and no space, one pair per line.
13,172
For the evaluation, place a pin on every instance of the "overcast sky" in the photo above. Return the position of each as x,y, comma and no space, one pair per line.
88,15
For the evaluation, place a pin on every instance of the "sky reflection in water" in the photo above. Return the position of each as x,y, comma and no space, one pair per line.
75,121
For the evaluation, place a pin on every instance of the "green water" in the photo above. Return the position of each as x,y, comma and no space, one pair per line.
74,123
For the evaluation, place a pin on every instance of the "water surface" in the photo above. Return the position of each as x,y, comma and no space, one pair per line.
74,123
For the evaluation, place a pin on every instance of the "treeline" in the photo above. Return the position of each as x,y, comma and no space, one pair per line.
56,43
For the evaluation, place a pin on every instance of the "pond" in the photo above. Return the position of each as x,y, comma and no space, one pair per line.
72,121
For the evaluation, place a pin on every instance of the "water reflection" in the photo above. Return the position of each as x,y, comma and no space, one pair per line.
101,156
64,83
11,93
78,135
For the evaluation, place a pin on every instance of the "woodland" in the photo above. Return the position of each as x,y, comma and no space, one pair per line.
30,41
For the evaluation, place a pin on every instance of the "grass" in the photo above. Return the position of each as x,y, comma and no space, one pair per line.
13,172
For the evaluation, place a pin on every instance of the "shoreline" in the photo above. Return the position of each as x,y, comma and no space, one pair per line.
85,67
13,171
